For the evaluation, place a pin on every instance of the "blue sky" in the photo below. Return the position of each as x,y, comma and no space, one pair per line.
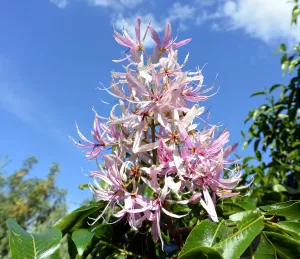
54,53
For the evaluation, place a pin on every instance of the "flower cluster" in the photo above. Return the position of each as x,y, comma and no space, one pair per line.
154,137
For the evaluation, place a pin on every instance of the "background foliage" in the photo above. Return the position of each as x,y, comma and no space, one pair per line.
35,203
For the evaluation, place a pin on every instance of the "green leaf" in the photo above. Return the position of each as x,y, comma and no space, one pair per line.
295,144
147,192
240,215
284,66
103,232
72,250
81,238
83,186
265,250
258,155
285,246
33,246
292,211
206,234
282,116
243,134
295,14
256,144
247,205
294,154
293,64
229,208
293,228
76,217
247,159
244,218
236,244
246,143
283,58
258,93
277,206
201,252
279,188
282,47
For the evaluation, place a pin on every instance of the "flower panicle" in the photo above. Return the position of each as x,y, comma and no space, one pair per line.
154,139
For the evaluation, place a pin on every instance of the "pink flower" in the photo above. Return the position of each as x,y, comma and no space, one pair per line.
164,153
134,46
96,147
168,43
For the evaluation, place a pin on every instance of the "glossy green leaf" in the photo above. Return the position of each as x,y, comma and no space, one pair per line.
286,247
229,208
292,211
273,227
293,228
201,252
240,215
235,245
247,205
205,235
81,238
244,218
24,245
76,217
265,249
277,206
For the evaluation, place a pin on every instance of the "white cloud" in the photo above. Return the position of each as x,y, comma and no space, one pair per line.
267,20
215,26
205,16
181,12
116,4
59,3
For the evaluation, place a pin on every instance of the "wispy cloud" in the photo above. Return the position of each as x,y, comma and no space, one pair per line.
267,20
181,13
60,3
30,107
116,4
263,19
